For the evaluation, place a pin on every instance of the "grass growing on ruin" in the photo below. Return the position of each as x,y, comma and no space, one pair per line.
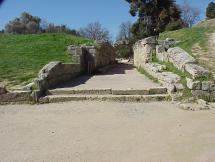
189,37
171,68
22,56
142,71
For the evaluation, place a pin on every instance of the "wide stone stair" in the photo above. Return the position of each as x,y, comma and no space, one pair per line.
116,95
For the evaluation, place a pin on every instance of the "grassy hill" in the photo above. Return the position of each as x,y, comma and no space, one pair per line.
188,37
199,41
22,56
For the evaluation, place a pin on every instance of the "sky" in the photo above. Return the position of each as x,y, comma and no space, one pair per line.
78,13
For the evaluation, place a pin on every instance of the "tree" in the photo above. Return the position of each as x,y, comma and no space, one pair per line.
210,11
125,31
1,2
153,16
95,31
28,24
51,28
25,24
189,14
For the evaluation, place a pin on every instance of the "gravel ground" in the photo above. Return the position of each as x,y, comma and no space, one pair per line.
105,132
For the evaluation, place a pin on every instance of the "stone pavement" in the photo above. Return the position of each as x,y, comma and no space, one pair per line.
122,76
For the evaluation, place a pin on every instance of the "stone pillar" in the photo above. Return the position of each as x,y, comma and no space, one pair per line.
143,51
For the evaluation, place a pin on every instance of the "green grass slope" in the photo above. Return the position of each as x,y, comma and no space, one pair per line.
22,56
188,37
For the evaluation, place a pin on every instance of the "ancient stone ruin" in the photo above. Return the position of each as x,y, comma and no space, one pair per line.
183,61
88,59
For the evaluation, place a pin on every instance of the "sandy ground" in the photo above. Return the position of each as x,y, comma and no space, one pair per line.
113,79
106,132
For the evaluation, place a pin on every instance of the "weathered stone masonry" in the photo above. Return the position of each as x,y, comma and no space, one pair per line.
87,58
143,52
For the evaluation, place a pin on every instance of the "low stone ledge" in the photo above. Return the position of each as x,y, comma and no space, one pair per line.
155,67
208,86
16,96
196,70
168,79
193,107
200,93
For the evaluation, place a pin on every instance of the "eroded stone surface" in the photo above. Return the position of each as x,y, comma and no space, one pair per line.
55,73
169,77
206,85
143,51
156,67
194,85
193,107
179,57
16,96
3,89
196,70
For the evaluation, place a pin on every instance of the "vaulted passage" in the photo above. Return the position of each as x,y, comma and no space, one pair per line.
122,76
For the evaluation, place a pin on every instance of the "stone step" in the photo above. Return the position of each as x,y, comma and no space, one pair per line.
149,91
113,98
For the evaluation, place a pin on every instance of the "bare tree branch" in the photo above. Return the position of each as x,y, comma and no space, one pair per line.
190,15
95,31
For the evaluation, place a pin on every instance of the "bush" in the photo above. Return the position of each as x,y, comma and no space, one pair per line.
123,49
210,12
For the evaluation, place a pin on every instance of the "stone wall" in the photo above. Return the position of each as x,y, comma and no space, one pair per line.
201,88
181,60
91,58
55,73
185,62
16,97
143,51
143,54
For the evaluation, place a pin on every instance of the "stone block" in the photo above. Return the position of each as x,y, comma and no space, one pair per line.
160,49
29,87
56,73
156,67
202,102
213,74
143,51
3,89
206,85
193,107
179,86
212,87
169,77
162,56
149,40
196,70
179,57
193,85
16,96
200,93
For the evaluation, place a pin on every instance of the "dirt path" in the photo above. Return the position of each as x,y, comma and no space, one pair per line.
206,58
105,132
